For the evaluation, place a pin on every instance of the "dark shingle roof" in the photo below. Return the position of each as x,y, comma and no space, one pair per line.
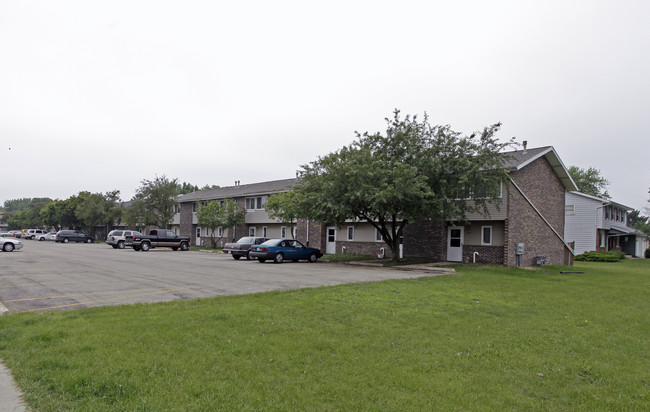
521,158
252,189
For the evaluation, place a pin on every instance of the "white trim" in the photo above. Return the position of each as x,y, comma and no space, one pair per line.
349,231
264,231
378,235
251,231
483,243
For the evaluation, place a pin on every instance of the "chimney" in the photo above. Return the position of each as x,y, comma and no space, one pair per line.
525,143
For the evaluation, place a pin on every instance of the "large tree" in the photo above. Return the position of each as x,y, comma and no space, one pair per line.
285,207
590,181
158,197
216,214
414,171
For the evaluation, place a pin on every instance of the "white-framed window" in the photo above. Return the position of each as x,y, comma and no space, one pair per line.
220,231
198,231
264,231
570,209
194,206
251,231
295,232
255,203
486,235
350,233
602,238
176,208
283,231
378,235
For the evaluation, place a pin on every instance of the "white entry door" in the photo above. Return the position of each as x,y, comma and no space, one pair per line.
455,238
330,244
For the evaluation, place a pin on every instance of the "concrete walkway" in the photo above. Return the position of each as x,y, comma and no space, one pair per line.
9,393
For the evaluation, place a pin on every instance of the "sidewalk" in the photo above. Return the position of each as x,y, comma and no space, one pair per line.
9,394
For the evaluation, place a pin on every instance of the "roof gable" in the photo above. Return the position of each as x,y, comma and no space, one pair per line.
519,159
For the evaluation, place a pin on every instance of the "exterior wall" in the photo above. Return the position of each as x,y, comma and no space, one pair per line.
486,254
581,226
186,226
311,234
426,238
474,233
545,190
363,248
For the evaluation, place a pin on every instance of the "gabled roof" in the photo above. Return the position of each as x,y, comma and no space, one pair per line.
253,189
521,158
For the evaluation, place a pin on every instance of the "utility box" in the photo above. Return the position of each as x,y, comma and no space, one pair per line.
520,249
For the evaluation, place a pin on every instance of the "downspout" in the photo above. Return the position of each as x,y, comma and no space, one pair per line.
307,232
542,216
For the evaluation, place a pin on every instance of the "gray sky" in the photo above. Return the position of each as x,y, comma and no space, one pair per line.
97,96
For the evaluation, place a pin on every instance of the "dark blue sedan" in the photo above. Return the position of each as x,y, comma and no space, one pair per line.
284,249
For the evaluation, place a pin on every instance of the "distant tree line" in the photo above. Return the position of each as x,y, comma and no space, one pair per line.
151,206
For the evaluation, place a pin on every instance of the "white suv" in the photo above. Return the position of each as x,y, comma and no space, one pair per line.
33,233
119,239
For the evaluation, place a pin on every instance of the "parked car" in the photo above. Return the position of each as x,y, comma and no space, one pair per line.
42,236
65,236
160,238
284,249
242,246
15,233
9,244
119,239
50,236
5,234
33,233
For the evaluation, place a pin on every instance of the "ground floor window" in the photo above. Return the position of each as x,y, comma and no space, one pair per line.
350,233
251,231
283,231
486,235
264,231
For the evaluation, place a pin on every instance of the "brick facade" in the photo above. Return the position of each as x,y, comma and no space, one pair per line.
544,189
486,254
427,239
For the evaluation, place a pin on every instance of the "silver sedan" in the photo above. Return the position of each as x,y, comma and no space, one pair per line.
10,244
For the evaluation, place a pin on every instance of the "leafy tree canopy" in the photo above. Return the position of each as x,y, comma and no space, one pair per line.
590,181
187,188
414,171
157,199
285,207
219,214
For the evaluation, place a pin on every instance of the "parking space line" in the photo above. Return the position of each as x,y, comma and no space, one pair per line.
73,296
38,284
109,300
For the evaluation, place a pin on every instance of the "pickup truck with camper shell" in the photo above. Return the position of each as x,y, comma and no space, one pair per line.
160,238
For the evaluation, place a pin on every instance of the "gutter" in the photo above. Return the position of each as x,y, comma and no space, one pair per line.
542,216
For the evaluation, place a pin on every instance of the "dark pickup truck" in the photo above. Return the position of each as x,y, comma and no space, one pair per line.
160,238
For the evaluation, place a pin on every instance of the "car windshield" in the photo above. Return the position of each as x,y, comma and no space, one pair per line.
246,240
271,242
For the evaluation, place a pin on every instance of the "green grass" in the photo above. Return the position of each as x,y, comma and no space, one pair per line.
482,339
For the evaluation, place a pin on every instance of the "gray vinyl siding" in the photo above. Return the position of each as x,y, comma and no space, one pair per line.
581,227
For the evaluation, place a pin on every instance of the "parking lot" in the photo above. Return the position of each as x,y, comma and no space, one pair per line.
53,276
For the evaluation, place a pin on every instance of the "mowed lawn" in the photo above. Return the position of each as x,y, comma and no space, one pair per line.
481,339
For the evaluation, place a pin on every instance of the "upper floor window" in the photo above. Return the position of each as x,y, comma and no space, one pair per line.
255,203
194,206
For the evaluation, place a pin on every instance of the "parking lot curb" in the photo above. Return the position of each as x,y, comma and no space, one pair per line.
3,309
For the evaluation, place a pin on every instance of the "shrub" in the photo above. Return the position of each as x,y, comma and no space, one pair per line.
611,256
647,253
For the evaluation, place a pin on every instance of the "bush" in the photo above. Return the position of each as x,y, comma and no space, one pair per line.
647,253
611,256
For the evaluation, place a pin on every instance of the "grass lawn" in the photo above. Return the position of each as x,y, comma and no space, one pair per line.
482,339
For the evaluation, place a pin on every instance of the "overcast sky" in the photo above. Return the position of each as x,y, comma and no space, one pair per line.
99,95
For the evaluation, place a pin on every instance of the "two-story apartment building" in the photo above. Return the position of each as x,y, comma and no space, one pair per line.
596,224
529,223
250,197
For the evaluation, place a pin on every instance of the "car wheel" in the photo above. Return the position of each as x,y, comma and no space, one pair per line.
120,244
145,246
8,247
66,240
89,240
313,258
236,257
185,247
261,260
40,239
278,258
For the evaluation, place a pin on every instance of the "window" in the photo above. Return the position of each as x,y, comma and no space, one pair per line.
194,207
378,235
198,232
176,208
570,209
255,203
251,231
264,231
602,238
618,214
220,231
486,235
350,233
623,216
283,231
